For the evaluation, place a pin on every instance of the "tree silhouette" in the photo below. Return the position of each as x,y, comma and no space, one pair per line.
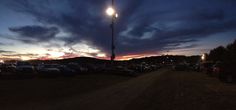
223,54
231,52
217,54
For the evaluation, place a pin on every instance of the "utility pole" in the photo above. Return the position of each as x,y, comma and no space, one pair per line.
112,12
113,56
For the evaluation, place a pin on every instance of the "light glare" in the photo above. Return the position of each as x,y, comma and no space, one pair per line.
203,57
117,15
1,61
110,11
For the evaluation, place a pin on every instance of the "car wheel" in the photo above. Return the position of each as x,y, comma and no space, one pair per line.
229,78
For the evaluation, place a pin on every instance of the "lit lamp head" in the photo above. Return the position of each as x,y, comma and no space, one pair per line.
110,11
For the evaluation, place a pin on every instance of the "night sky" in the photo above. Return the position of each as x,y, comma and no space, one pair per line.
57,29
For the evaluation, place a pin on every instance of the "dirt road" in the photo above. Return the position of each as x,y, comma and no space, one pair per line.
161,90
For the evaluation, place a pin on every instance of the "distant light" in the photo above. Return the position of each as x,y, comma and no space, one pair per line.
117,15
110,11
1,61
203,57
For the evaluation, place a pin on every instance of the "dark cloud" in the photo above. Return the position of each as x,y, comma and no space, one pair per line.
6,44
5,51
2,43
178,46
143,25
34,34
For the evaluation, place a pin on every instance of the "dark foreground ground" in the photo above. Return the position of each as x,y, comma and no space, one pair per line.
161,90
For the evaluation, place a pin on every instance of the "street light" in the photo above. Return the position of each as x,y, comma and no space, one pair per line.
203,57
112,12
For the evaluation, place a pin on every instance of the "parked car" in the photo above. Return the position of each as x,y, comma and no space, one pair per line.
49,70
77,68
24,70
24,67
146,67
9,68
136,67
66,71
194,67
125,71
8,71
197,67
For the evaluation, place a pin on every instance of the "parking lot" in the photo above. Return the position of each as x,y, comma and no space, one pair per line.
164,89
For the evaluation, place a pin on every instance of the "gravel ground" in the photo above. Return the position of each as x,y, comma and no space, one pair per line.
186,91
161,90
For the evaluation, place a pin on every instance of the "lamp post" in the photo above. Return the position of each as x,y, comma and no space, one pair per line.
112,12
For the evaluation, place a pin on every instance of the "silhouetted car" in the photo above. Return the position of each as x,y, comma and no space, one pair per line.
8,68
77,68
146,67
24,69
197,67
194,67
49,70
7,71
136,67
124,71
66,71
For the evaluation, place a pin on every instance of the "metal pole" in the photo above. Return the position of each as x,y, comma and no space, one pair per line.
112,37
